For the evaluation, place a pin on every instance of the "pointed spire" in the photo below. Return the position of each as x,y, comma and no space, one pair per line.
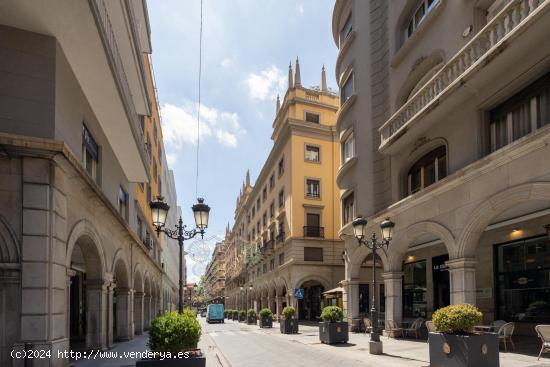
290,82
247,178
297,79
323,80
278,104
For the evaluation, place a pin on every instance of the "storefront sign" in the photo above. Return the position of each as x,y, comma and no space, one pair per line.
299,293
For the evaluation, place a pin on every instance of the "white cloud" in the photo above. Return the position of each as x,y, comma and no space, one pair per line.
266,84
179,127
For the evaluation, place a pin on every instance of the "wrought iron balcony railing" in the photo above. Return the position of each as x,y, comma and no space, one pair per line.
312,231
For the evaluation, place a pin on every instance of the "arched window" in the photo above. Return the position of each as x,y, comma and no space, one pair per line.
429,169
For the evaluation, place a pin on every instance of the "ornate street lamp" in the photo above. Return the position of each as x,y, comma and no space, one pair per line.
360,232
201,211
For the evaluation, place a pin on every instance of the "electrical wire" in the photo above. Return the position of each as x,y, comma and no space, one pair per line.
199,110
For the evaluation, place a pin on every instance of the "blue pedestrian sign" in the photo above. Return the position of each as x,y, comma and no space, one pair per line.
299,293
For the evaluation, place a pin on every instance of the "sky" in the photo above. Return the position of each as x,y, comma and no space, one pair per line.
246,49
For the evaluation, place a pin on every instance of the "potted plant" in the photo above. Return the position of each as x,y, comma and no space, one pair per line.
251,317
455,344
235,315
242,316
333,329
266,318
288,324
174,337
225,312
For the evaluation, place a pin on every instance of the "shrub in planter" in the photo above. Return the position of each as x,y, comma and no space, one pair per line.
235,315
242,316
174,334
225,313
266,318
333,329
288,324
455,345
251,317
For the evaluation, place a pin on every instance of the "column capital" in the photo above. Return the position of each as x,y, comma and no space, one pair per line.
347,282
461,263
139,294
397,275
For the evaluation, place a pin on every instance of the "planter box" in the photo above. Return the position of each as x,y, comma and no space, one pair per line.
451,350
266,321
242,318
173,362
333,332
235,318
289,326
251,320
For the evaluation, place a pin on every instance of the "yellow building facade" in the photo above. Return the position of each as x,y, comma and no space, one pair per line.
285,234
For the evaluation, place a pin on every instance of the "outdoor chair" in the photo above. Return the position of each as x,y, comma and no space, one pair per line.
392,329
543,332
415,327
367,325
505,335
431,328
497,325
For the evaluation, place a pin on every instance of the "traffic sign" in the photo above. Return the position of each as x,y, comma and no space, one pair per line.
299,293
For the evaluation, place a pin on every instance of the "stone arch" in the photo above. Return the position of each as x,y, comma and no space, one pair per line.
483,214
9,246
318,278
400,243
358,256
147,293
120,256
84,229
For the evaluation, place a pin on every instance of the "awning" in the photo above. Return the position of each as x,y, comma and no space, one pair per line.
335,290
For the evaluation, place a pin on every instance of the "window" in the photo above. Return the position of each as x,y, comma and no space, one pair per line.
160,185
139,227
272,264
348,148
313,254
313,226
523,280
281,229
248,219
272,181
264,219
282,166
258,226
142,123
155,169
272,210
155,132
159,149
313,188
346,30
429,169
281,198
148,147
264,193
281,258
312,117
149,194
425,7
348,208
90,153
347,89
312,153
414,289
258,204
253,211
123,203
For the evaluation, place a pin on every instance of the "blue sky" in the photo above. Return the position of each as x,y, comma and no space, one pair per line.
247,46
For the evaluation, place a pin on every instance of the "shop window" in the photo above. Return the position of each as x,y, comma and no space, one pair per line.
429,169
364,304
313,254
414,289
523,280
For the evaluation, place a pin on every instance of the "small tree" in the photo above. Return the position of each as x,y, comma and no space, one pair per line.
251,313
457,319
332,314
266,312
174,332
288,312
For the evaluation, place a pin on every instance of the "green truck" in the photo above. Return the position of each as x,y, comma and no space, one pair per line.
214,313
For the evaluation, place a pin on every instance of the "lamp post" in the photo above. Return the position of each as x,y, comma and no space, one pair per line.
359,230
201,211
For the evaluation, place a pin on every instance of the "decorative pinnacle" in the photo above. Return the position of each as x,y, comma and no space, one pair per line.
297,78
290,81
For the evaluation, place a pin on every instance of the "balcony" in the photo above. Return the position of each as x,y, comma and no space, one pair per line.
485,60
314,232
280,238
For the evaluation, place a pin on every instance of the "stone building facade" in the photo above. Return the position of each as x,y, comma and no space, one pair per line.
75,271
451,128
214,278
285,230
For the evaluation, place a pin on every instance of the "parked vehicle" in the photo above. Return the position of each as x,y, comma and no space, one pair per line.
214,313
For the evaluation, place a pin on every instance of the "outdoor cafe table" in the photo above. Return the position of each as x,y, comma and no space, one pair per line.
485,328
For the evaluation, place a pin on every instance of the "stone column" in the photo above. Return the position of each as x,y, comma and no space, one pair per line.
147,312
138,313
462,279
110,314
393,287
123,314
96,314
278,306
351,299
